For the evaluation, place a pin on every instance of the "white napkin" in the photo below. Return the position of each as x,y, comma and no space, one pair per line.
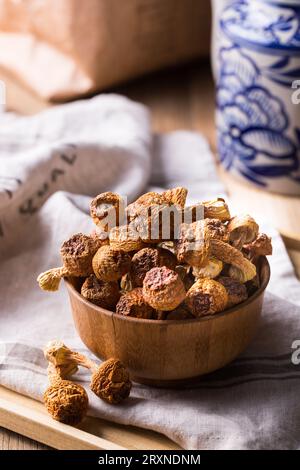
49,165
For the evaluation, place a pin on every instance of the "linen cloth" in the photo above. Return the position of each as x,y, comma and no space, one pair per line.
50,166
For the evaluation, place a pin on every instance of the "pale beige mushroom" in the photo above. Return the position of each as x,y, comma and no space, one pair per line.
242,229
211,270
243,270
216,209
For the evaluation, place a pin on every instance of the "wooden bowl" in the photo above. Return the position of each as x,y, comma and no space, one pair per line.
168,352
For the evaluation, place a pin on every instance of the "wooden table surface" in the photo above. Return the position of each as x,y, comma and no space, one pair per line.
180,98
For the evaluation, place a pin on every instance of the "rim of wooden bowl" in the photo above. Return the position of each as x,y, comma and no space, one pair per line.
263,263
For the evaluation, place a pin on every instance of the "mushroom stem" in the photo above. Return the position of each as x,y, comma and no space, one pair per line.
64,400
54,374
49,280
110,381
58,354
228,254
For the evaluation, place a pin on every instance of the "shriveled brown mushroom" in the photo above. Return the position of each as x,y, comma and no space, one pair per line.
261,246
192,246
176,196
64,400
102,293
125,238
77,253
133,304
215,229
110,265
143,203
110,381
206,297
237,292
149,258
163,289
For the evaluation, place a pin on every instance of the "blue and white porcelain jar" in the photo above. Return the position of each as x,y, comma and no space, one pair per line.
256,62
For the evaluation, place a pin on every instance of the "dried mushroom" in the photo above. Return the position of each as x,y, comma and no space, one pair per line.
102,293
64,400
110,265
158,223
244,270
125,238
237,292
110,381
107,210
211,270
261,246
215,229
242,229
133,304
149,258
192,246
206,297
160,259
176,196
141,206
77,254
216,209
163,289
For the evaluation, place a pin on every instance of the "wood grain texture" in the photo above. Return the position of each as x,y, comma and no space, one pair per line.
168,353
179,98
24,415
12,441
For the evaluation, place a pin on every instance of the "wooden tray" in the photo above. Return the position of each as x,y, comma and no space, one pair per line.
29,418
184,101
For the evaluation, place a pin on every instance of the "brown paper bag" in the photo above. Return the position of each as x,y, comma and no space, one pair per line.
61,49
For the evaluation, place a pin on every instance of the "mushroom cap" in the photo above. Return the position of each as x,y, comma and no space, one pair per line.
176,196
215,229
133,304
140,206
110,265
107,210
216,209
102,293
66,402
125,238
206,297
237,292
77,253
111,382
149,258
242,229
163,288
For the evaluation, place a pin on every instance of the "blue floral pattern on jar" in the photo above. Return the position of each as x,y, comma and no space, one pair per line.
256,136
